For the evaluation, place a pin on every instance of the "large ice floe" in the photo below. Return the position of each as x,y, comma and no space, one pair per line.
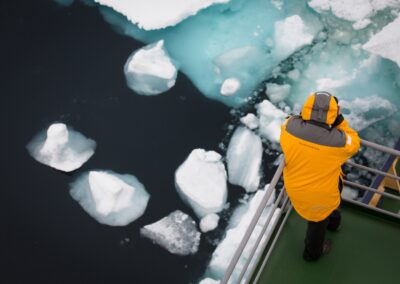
150,71
236,229
158,14
201,181
386,43
61,147
112,199
176,232
244,158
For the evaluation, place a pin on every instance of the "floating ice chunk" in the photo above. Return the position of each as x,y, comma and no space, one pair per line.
294,74
237,227
244,158
250,120
61,148
158,14
276,92
176,232
150,71
201,182
209,222
230,86
271,119
209,281
349,193
112,199
386,43
290,35
367,110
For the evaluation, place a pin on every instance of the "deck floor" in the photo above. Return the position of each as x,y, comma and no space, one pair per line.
366,250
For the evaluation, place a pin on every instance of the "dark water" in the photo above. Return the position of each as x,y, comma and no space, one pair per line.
65,64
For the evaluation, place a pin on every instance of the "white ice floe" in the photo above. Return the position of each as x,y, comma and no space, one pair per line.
61,147
276,92
201,181
209,222
150,71
176,232
209,281
230,86
357,11
112,199
271,119
237,227
158,14
386,43
250,120
290,35
244,158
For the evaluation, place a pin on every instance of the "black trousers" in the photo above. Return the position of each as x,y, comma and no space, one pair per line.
315,235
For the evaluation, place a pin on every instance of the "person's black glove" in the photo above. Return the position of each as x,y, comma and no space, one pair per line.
339,119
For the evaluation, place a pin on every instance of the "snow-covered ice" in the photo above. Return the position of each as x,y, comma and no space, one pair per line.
112,199
158,14
244,158
250,120
209,281
271,119
290,35
386,43
277,93
201,181
150,71
209,222
176,232
230,86
61,147
238,224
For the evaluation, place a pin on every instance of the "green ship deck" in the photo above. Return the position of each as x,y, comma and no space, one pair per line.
366,250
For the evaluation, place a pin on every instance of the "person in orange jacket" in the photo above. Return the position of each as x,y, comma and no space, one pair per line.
315,144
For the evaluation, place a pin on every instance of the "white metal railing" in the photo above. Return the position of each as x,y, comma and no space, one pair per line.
247,271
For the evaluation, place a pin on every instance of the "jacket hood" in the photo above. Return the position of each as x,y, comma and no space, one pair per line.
320,107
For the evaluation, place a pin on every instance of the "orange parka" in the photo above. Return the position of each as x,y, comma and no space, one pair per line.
314,152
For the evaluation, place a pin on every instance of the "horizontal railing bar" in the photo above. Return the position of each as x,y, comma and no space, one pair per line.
372,170
269,235
271,248
381,148
253,223
260,236
377,209
353,184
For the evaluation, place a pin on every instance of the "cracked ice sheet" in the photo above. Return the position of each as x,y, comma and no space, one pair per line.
158,14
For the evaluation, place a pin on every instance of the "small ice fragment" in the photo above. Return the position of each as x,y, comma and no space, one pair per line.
209,281
250,120
201,181
61,148
112,199
294,74
150,71
271,119
176,232
209,222
276,92
230,86
244,158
